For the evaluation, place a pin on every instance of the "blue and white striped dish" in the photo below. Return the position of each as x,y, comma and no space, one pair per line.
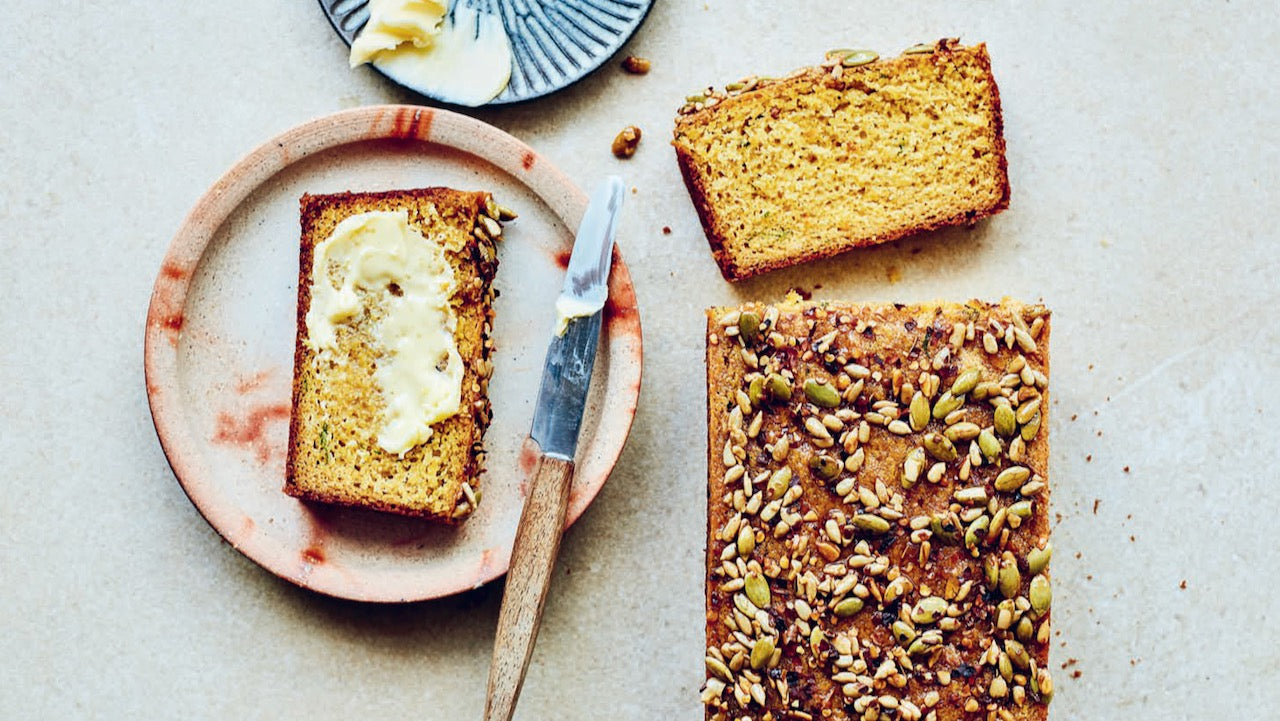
554,43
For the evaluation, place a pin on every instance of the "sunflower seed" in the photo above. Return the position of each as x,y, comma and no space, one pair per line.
962,431
1027,411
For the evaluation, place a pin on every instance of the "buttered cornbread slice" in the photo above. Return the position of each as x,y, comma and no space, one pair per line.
391,362
854,152
878,512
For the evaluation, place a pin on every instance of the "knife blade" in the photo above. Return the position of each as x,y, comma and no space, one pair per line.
566,373
557,418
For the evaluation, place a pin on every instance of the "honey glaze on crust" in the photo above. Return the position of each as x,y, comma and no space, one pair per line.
878,512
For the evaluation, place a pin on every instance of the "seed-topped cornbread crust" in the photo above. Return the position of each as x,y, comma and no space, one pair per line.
337,405
854,152
877,510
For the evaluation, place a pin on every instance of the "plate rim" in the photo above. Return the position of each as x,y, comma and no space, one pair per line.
215,206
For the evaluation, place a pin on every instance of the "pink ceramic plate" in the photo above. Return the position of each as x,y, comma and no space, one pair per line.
219,351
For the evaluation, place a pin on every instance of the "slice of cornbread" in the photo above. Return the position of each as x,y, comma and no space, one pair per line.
336,453
878,512
855,152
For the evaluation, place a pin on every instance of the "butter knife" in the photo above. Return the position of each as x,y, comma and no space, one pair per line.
557,417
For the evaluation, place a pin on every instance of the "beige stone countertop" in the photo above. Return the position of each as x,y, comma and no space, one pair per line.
1144,149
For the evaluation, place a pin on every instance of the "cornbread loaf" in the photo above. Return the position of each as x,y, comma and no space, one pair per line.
855,152
335,450
878,512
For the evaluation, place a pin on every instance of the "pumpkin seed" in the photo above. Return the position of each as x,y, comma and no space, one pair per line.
1012,478
1028,410
821,393
966,382
746,540
1032,427
991,571
717,668
924,642
1025,629
761,652
989,445
1021,509
929,609
946,405
1017,653
755,391
944,529
749,327
976,530
921,49
939,447
903,632
816,637
848,607
1038,558
757,590
824,466
870,523
695,98
779,480
777,387
859,57
1005,421
1005,666
1010,578
1041,593
919,414
962,431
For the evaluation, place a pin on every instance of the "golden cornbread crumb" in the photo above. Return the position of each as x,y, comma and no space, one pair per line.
878,512
834,157
337,406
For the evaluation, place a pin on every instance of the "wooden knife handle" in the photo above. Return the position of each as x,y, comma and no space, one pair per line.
532,558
